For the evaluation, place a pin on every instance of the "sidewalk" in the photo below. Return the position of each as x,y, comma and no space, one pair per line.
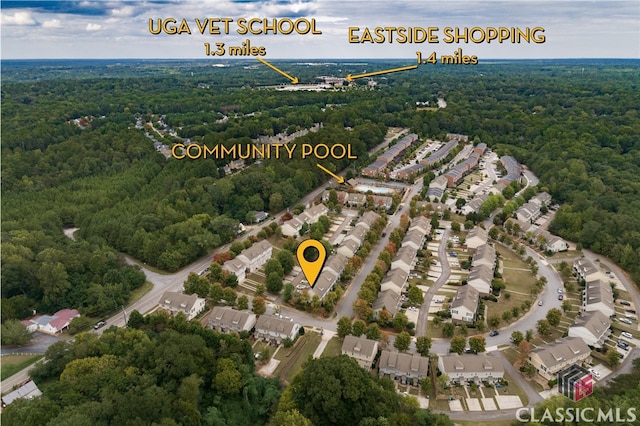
326,336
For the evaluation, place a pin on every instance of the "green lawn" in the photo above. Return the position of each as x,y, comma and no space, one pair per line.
514,389
334,347
291,359
136,294
262,345
11,364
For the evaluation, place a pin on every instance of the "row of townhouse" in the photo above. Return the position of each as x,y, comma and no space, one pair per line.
597,294
330,275
464,306
412,368
483,263
250,260
355,199
265,327
437,187
335,264
474,205
531,210
436,157
513,172
355,238
292,227
457,173
389,156
553,357
551,243
174,302
395,281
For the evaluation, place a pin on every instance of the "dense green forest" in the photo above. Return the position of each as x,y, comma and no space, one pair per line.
167,371
574,124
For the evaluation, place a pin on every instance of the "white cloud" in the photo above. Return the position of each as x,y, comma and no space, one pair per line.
93,27
19,18
54,23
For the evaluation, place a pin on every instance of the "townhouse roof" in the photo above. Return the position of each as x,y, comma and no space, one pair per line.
415,236
336,263
231,318
478,232
420,222
178,301
369,218
268,323
310,213
382,201
478,363
358,232
396,276
324,283
543,198
365,347
595,322
406,254
410,364
256,250
528,210
557,353
484,253
388,300
598,291
467,297
482,272
585,267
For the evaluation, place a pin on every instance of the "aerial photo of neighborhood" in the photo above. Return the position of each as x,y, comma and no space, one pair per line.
285,215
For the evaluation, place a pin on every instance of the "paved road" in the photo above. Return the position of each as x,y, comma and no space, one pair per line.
345,306
38,345
173,282
421,326
18,378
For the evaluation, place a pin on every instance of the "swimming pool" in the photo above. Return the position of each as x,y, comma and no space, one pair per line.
374,189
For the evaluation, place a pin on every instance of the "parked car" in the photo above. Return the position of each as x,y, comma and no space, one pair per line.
494,333
623,345
540,303
625,303
627,335
594,372
99,324
625,320
560,297
631,311
560,290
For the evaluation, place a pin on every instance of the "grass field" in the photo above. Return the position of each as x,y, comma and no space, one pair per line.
136,294
11,364
291,359
334,347
518,279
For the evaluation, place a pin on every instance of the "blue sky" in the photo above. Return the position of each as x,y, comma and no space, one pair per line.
119,29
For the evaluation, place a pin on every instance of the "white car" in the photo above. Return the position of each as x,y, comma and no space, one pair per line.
626,334
624,320
595,373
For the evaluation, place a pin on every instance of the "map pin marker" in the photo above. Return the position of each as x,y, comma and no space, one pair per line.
311,268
